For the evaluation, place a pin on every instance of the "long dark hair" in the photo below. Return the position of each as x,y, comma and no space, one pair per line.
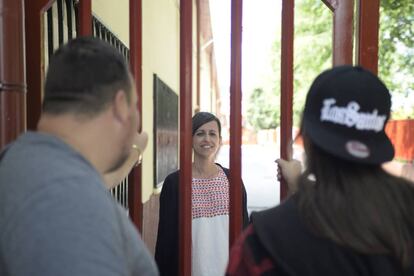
358,206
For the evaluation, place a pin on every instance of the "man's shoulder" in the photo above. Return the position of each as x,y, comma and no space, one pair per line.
31,180
77,226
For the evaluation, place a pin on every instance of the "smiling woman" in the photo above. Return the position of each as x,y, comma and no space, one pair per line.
210,206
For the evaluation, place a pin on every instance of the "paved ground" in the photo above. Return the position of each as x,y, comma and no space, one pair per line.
258,173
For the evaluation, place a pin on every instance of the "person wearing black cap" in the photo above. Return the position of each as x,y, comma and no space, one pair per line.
347,216
210,206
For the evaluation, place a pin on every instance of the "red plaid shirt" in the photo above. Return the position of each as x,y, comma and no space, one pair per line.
249,257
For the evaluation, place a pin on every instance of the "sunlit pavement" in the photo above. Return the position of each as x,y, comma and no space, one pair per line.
259,174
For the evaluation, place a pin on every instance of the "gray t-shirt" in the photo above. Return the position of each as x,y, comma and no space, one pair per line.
57,218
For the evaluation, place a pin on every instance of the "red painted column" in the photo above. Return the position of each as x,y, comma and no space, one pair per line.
343,33
12,71
34,58
367,38
235,120
85,18
198,57
185,216
286,85
135,60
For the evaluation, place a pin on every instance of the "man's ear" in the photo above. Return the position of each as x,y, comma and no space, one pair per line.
120,106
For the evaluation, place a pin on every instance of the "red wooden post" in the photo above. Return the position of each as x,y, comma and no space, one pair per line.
235,120
85,18
367,38
12,71
34,58
185,216
343,33
135,60
286,85
198,58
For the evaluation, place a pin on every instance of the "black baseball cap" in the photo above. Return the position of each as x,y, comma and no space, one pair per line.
345,114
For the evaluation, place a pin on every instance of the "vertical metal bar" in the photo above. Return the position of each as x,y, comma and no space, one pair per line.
135,60
235,120
198,58
97,29
34,58
121,192
50,44
60,21
69,6
185,216
125,199
127,195
286,85
331,4
76,5
343,33
367,36
12,71
119,199
94,28
85,18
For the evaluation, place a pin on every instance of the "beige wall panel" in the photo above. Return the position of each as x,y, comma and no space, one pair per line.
160,44
206,77
115,16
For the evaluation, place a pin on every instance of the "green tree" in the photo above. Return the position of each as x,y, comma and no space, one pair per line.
263,110
312,48
396,53
313,54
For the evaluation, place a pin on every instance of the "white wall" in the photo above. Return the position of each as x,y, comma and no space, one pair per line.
160,55
115,16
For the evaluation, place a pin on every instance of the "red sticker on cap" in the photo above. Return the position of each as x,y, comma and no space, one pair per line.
357,149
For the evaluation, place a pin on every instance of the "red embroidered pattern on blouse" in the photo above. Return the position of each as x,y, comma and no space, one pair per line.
210,196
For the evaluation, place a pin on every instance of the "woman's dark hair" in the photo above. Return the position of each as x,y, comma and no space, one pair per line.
358,206
202,118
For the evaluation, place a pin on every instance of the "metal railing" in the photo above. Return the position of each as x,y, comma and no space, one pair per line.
60,25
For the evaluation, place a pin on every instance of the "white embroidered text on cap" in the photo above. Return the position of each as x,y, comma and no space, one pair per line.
350,117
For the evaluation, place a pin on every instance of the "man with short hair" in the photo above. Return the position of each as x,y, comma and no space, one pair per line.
56,215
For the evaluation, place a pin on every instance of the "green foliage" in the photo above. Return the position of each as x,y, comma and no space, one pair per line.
313,48
396,53
313,54
263,110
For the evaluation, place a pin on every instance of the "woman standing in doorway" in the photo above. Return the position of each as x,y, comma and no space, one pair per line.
210,206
